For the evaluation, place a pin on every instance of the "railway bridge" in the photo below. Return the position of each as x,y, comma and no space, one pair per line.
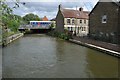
36,27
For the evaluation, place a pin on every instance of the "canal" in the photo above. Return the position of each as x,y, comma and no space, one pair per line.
42,56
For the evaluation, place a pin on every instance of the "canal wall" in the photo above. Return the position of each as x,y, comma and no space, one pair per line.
110,52
13,38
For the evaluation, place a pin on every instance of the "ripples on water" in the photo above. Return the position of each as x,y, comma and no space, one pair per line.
41,56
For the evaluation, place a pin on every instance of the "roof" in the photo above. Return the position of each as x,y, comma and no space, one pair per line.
69,13
53,19
44,18
117,3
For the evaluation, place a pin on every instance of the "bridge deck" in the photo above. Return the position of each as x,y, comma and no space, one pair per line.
33,27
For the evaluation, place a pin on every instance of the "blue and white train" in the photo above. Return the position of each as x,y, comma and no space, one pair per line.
40,24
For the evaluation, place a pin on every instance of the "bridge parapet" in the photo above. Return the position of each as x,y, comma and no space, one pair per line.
33,27
37,25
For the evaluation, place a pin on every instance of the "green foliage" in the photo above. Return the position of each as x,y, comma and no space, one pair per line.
13,25
5,9
31,17
52,26
11,21
66,35
8,20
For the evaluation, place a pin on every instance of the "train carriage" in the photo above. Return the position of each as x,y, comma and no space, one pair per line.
40,24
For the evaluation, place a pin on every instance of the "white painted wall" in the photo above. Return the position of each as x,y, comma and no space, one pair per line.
76,25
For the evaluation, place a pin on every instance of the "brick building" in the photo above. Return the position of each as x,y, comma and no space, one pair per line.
104,22
44,18
75,21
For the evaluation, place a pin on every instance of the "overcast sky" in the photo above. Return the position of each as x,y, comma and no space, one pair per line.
49,8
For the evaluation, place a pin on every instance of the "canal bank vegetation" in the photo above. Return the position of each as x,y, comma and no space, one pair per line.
66,35
9,22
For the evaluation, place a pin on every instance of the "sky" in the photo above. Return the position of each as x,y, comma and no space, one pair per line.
49,8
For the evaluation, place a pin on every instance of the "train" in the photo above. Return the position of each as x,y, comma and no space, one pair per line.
40,24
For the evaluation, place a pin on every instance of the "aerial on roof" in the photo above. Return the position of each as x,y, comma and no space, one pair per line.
80,14
44,18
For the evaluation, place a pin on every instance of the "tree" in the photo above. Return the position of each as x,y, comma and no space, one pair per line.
14,23
7,14
31,17
8,19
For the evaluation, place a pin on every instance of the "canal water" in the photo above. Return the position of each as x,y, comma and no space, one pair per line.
42,56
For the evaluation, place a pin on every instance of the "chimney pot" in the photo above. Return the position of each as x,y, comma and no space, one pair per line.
81,9
59,6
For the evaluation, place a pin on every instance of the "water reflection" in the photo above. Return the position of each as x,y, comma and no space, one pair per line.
71,60
40,56
101,65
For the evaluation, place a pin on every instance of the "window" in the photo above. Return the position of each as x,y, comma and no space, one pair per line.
83,28
73,21
78,29
71,29
80,21
36,23
68,21
104,19
85,21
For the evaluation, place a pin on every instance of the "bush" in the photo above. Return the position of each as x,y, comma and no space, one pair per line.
65,35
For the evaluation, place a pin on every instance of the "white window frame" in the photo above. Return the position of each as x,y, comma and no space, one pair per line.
85,21
104,19
73,21
67,21
80,21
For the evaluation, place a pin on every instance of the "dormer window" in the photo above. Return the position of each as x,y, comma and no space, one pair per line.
104,19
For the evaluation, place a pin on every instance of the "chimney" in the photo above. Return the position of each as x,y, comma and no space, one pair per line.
80,9
59,6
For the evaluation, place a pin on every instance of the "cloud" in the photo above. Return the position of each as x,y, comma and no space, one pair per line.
50,8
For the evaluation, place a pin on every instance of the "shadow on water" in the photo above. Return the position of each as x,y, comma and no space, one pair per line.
37,31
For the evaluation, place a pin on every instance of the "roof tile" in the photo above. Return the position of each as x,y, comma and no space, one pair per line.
68,13
44,18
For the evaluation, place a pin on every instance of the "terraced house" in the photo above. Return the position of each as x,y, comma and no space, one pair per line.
104,23
75,21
